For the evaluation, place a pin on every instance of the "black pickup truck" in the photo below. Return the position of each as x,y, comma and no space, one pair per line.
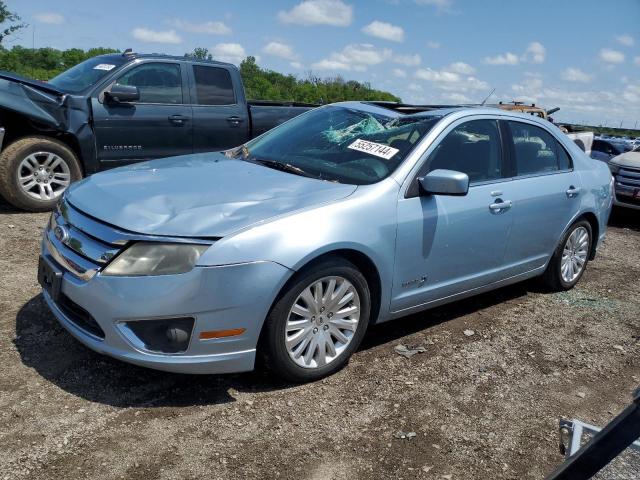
116,109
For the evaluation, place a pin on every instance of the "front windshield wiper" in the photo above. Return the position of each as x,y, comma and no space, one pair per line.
284,167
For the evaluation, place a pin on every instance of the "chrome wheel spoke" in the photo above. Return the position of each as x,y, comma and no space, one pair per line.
45,170
574,254
322,322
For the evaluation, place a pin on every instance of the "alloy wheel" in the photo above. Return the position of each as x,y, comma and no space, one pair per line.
322,322
574,254
43,175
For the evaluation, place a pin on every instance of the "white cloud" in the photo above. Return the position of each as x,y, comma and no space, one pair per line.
211,28
442,5
357,57
409,60
457,97
575,75
156,36
461,67
535,53
229,52
503,59
611,56
414,87
49,17
296,65
280,49
637,61
385,31
451,81
319,12
433,45
398,72
626,40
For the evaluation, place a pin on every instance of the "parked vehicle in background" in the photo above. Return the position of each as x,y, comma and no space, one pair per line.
291,245
117,109
605,150
625,169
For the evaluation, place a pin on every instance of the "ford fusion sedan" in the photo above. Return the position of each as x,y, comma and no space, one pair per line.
291,245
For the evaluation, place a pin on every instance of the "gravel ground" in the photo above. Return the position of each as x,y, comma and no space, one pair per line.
483,403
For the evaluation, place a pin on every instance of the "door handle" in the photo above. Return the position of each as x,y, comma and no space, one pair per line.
235,121
572,192
178,119
500,206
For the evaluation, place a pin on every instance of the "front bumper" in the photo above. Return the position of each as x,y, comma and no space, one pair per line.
218,298
626,197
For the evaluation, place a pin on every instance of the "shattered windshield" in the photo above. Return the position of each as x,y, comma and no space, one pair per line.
339,144
86,74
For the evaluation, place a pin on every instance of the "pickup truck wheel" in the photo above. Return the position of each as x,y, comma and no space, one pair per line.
318,322
569,261
35,171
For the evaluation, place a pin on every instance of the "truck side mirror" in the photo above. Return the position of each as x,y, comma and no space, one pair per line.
445,182
122,94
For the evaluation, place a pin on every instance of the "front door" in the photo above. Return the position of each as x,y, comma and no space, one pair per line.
451,244
158,125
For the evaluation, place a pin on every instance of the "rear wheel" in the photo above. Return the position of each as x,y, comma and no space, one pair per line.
318,322
570,259
35,171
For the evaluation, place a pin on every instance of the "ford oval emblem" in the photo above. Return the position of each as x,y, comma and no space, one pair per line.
61,234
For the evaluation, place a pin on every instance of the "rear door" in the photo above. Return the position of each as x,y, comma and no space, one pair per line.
157,125
450,244
546,195
220,114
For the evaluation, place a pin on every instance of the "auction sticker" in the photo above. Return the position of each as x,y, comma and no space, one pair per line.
373,148
104,66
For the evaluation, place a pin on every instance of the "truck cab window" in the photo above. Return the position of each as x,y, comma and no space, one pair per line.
157,82
213,86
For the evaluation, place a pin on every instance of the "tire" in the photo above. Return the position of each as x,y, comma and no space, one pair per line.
23,158
320,328
553,277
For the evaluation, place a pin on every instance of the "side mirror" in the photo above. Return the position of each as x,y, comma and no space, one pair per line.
445,182
122,94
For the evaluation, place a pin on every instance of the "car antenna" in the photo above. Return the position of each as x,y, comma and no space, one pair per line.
487,97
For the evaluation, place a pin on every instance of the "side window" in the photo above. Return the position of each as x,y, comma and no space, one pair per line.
564,160
535,149
157,82
472,148
213,86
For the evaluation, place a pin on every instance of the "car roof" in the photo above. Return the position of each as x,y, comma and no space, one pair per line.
162,56
400,110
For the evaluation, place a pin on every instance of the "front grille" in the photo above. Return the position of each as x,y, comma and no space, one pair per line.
628,177
79,316
629,200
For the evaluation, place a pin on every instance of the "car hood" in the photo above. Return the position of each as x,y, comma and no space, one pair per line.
629,159
202,195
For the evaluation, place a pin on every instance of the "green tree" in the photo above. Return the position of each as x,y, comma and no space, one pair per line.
9,22
199,53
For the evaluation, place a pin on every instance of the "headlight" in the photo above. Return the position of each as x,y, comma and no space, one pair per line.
151,258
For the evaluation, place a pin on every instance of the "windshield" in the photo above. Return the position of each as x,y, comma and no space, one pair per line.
339,144
86,74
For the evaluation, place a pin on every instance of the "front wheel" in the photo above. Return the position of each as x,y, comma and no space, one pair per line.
569,261
35,171
318,322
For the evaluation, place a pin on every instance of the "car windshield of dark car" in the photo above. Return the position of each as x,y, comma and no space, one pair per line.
86,74
338,143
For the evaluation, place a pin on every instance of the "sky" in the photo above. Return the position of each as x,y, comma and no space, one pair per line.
580,55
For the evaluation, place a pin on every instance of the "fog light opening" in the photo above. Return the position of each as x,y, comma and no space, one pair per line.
166,335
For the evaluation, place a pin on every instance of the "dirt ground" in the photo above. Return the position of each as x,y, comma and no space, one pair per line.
482,406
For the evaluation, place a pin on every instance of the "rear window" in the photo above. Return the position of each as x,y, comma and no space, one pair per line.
213,86
535,149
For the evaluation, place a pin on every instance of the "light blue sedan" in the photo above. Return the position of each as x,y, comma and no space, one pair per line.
291,245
